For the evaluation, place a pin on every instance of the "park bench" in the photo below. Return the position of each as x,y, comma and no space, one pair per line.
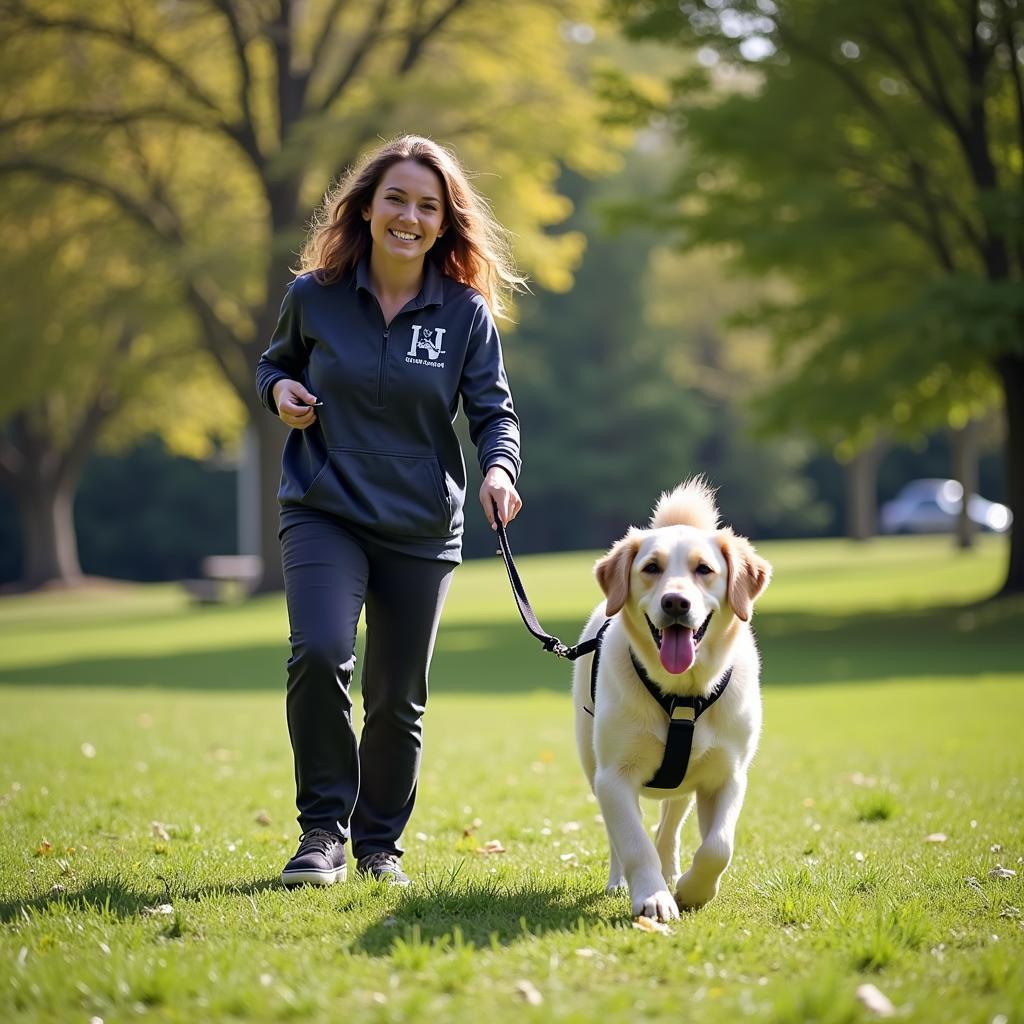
225,578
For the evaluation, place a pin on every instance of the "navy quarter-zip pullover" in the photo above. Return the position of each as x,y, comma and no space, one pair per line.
383,454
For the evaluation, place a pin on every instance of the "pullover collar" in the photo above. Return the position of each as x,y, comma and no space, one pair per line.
431,292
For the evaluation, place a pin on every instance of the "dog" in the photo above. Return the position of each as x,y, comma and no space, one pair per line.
679,597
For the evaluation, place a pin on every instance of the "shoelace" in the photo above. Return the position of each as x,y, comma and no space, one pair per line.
318,839
381,860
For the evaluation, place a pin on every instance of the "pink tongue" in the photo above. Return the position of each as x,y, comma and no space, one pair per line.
677,650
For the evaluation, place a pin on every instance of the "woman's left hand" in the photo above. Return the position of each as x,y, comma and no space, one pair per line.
498,488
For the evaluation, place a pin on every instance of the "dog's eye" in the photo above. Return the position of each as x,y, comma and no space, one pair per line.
704,569
652,569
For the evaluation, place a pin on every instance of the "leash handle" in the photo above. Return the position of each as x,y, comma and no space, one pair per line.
526,612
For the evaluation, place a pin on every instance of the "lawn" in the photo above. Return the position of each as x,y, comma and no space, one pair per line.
146,810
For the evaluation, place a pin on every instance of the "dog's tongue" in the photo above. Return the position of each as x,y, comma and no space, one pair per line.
677,649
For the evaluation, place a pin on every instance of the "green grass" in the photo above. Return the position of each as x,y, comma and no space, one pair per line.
145,765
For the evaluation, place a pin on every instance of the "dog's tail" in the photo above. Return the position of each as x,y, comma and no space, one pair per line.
692,503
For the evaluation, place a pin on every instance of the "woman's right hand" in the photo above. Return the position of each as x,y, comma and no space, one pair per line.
294,403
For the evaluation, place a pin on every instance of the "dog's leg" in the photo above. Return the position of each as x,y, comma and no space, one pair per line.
616,879
620,805
717,814
673,813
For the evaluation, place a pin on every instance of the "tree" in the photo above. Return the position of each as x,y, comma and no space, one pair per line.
214,125
874,153
116,361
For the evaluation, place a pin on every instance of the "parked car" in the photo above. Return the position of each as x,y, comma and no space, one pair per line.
932,506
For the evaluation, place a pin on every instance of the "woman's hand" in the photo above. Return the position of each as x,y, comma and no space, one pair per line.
294,403
498,488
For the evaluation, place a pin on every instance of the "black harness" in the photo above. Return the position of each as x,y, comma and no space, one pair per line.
682,712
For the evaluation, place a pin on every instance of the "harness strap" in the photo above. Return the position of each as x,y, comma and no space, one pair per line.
683,713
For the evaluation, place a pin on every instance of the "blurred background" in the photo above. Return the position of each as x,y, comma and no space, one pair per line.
778,242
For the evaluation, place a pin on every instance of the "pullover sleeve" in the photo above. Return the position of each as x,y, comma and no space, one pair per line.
487,400
287,355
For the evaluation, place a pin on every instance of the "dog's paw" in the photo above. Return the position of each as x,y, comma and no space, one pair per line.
659,905
692,893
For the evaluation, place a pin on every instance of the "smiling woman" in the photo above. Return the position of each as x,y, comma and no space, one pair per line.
386,332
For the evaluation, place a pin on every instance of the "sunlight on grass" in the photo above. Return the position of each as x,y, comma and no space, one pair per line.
147,808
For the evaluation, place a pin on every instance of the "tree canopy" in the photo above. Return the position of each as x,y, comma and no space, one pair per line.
214,126
874,153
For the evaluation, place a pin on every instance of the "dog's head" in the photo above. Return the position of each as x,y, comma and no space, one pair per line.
667,580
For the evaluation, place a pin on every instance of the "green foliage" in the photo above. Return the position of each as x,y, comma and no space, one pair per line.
872,154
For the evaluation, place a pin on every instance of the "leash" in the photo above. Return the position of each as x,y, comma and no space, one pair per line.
549,642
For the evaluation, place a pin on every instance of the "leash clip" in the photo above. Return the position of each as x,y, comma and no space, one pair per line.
557,648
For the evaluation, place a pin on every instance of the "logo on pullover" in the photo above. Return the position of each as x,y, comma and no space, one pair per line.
429,339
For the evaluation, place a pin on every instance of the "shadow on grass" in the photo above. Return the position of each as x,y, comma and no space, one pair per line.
111,897
798,648
482,913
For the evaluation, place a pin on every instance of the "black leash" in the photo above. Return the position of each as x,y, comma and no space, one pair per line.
549,642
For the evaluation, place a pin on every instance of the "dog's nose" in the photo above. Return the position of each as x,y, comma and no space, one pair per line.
675,604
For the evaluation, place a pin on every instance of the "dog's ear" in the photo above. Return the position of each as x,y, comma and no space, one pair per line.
612,571
749,573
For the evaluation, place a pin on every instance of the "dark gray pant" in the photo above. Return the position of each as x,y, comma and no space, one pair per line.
366,789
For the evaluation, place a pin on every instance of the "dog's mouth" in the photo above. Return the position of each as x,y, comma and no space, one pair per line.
677,646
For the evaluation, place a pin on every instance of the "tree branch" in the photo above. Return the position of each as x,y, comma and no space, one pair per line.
418,39
361,49
160,222
326,33
129,40
247,131
126,39
105,118
1015,77
936,97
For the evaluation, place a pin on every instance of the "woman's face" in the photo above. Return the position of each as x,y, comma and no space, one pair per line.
407,212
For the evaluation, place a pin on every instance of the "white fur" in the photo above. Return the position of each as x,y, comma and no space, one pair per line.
621,746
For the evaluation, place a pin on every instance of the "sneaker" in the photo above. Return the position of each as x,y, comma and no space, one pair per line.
319,860
384,867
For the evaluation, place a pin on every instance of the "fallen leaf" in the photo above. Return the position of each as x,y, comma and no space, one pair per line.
1012,912
875,1001
568,858
262,818
1000,872
529,992
491,846
585,952
936,837
160,910
160,831
648,924
44,849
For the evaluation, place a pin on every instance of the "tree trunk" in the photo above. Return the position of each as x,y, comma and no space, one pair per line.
1011,374
965,471
270,436
861,474
49,544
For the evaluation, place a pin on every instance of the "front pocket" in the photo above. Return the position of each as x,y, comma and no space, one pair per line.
398,494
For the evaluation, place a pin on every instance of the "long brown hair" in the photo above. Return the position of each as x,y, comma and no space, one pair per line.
473,250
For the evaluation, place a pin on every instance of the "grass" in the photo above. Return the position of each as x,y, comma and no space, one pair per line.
146,810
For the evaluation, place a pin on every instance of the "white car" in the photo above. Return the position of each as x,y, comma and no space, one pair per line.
932,506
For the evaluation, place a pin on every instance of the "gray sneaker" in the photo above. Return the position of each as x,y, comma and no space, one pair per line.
384,867
319,860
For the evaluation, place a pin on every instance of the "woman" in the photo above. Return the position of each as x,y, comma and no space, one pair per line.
387,328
